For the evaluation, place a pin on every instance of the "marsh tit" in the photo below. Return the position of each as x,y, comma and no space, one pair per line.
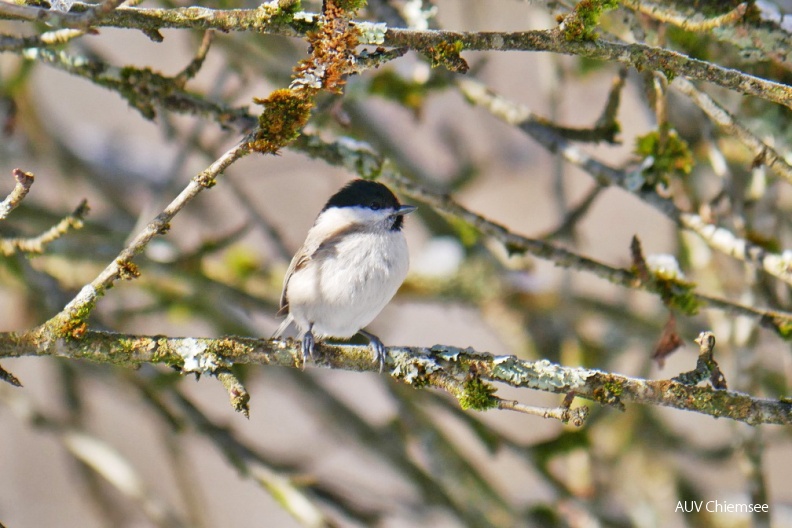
349,267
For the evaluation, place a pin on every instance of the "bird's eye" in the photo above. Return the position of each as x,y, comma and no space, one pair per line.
376,206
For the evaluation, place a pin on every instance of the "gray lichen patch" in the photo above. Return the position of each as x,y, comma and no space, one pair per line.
542,374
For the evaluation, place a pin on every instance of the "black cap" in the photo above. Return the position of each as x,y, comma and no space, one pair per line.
364,193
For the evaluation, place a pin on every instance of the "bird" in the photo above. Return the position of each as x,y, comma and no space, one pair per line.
353,261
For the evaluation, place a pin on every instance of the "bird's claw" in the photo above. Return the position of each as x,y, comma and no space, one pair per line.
308,344
379,349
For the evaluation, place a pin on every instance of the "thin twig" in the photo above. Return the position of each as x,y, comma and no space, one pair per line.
763,152
37,244
38,14
264,19
754,453
195,65
608,118
576,416
9,378
721,239
237,392
574,215
360,158
250,463
119,267
144,89
663,14
50,38
447,461
265,226
24,180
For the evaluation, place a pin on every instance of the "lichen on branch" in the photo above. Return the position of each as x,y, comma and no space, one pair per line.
582,22
287,110
467,374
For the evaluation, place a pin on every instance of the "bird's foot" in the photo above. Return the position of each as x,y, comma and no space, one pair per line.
378,347
308,345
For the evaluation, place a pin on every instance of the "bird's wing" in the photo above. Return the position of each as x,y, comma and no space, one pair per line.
317,241
301,258
297,262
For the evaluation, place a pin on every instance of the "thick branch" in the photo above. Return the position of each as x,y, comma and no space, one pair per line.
639,56
262,20
54,17
412,365
268,18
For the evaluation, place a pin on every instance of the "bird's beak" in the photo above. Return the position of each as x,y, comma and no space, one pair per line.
405,209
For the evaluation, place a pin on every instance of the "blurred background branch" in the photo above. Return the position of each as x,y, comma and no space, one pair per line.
648,146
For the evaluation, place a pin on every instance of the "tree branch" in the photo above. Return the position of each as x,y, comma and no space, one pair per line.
721,239
360,158
473,372
9,246
639,56
53,17
269,18
72,317
763,152
144,89
24,180
678,19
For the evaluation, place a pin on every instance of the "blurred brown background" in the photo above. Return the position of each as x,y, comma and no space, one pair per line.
144,164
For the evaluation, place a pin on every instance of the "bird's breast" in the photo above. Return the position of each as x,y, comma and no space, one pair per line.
347,283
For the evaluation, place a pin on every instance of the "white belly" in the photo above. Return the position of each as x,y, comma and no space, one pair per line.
351,286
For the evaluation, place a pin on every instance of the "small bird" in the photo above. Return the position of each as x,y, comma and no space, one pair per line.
353,260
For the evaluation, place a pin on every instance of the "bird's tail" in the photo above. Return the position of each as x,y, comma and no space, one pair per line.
284,325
